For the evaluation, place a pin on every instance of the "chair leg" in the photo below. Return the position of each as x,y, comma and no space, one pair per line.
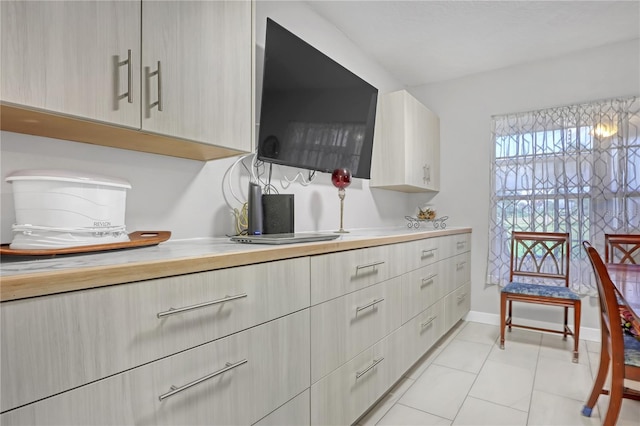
566,323
577,307
503,308
510,316
598,384
615,395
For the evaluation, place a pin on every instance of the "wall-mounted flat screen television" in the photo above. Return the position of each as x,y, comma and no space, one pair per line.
315,114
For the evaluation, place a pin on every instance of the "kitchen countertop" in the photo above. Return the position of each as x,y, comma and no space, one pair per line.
23,277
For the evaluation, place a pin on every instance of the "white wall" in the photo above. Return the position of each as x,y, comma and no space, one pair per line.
465,107
188,197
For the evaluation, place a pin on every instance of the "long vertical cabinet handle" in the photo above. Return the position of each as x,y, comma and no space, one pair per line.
426,176
173,311
129,78
159,87
174,389
158,73
373,364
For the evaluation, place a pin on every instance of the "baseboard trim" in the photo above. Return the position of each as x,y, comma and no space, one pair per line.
586,333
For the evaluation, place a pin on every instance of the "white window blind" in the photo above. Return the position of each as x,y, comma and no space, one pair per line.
569,169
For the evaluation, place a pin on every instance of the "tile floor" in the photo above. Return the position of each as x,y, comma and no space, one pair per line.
467,380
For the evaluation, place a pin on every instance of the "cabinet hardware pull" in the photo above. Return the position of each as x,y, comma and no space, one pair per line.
428,280
368,305
460,265
158,103
129,77
373,364
428,321
174,390
461,297
426,176
460,244
173,311
429,252
370,265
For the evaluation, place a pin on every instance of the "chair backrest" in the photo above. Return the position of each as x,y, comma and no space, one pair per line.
622,248
609,312
540,256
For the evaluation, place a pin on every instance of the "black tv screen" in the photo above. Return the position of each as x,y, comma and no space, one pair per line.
315,113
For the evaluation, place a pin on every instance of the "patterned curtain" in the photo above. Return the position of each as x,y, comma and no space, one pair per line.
569,169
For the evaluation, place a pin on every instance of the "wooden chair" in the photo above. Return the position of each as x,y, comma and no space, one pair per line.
621,248
618,349
543,257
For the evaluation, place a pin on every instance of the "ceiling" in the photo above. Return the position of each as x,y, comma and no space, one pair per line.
421,42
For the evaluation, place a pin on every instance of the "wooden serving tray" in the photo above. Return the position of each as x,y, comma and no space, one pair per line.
136,239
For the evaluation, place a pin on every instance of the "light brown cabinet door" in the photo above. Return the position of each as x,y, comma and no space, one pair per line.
197,71
76,58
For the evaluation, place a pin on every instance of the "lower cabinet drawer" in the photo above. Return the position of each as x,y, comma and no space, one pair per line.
421,288
420,253
54,343
341,397
422,332
343,327
456,305
455,271
235,380
336,274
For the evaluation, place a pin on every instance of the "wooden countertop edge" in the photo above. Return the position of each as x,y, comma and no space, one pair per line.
31,285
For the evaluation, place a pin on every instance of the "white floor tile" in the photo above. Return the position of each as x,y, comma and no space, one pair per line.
463,355
553,346
386,403
422,364
467,379
479,333
593,346
629,412
549,409
524,355
401,415
563,377
504,384
439,391
594,362
522,336
477,412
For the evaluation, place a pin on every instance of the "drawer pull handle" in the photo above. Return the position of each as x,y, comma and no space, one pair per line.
158,73
461,297
366,370
173,311
460,265
460,244
428,321
368,305
174,390
428,280
129,78
429,252
370,265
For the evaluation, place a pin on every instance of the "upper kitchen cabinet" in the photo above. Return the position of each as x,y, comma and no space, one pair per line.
197,78
406,147
76,58
165,77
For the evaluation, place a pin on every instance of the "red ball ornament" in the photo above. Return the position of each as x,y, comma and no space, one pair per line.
341,178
